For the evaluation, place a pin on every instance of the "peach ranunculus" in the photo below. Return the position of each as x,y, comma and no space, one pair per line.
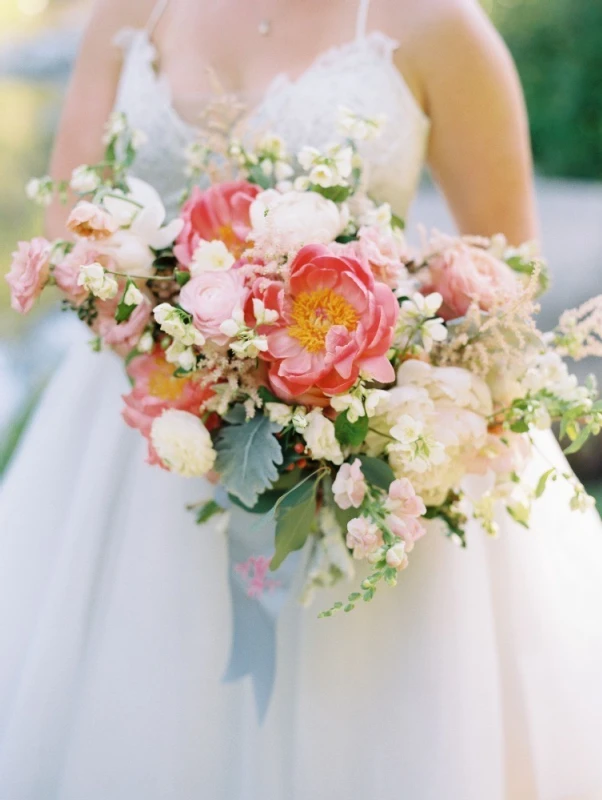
91,222
154,390
212,298
66,272
384,252
335,321
463,273
28,273
220,212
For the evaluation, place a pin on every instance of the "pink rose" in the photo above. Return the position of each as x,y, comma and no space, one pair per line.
349,486
463,273
212,298
28,273
91,221
336,321
66,272
382,252
363,537
220,212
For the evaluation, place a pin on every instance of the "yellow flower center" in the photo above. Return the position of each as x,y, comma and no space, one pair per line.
314,313
162,384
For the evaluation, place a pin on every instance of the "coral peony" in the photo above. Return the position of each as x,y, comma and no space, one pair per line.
28,273
335,322
463,273
220,212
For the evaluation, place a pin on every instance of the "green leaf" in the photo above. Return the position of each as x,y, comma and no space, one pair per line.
520,514
338,194
542,482
520,426
208,510
264,504
182,277
350,433
257,175
377,472
579,441
397,222
294,519
267,396
247,456
124,311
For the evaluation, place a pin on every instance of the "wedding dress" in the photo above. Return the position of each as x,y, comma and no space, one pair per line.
478,678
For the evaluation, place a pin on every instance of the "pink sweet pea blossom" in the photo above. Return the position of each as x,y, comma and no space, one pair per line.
66,272
220,212
335,321
212,298
363,537
349,486
28,273
463,273
405,507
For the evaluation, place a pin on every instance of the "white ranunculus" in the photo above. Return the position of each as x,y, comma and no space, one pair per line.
293,219
183,443
141,217
84,180
320,437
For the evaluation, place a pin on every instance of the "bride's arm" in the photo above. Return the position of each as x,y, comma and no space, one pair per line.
479,149
91,94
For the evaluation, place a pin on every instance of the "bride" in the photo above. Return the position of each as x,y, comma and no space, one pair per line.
479,678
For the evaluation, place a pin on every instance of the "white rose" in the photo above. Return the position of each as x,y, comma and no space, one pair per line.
211,257
84,180
183,443
320,437
294,219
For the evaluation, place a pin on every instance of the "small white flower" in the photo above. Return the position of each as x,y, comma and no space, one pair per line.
133,296
299,420
139,138
271,144
308,157
235,325
171,322
301,184
279,413
351,403
376,402
320,438
183,443
323,175
40,190
183,356
407,430
263,315
267,167
342,158
211,256
283,171
116,125
84,180
249,346
94,278
397,556
146,343
581,500
433,330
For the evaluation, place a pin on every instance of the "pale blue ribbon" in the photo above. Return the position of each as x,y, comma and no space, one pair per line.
255,617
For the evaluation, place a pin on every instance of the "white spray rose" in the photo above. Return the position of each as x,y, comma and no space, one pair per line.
183,443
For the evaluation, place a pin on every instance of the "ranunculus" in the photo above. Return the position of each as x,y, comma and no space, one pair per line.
91,222
28,273
335,322
363,537
463,273
283,223
66,272
212,298
183,443
154,390
220,212
349,486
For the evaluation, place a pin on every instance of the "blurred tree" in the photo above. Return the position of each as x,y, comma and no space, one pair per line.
557,45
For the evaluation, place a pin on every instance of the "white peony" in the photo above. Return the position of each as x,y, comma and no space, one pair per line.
320,438
183,443
288,221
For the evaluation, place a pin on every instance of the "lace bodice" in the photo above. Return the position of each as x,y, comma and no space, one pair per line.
360,75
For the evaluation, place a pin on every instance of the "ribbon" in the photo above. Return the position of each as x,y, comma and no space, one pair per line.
258,597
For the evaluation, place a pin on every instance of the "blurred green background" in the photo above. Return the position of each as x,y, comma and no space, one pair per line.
557,47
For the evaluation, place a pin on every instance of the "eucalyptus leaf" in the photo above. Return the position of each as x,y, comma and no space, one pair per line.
377,472
294,518
247,458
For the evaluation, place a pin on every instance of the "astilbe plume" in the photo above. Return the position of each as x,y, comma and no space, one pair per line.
579,331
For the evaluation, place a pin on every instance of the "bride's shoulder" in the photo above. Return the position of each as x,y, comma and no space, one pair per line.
110,16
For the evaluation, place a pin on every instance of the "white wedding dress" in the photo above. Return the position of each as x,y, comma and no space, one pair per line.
478,678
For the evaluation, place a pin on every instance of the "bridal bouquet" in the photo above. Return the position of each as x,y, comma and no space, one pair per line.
282,336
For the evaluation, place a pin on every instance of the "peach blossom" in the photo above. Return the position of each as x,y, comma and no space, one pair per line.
28,273
220,212
463,273
335,321
91,221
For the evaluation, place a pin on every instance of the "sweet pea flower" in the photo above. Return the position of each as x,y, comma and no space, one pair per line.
28,273
363,537
349,486
397,556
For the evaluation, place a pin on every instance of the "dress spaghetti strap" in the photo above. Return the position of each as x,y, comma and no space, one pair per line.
156,14
362,19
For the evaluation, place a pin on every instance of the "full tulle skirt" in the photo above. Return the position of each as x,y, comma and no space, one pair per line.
479,677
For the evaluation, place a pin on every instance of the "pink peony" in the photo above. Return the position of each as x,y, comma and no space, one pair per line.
91,221
405,507
335,322
382,252
66,272
349,486
363,537
212,298
155,389
220,212
28,273
463,273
